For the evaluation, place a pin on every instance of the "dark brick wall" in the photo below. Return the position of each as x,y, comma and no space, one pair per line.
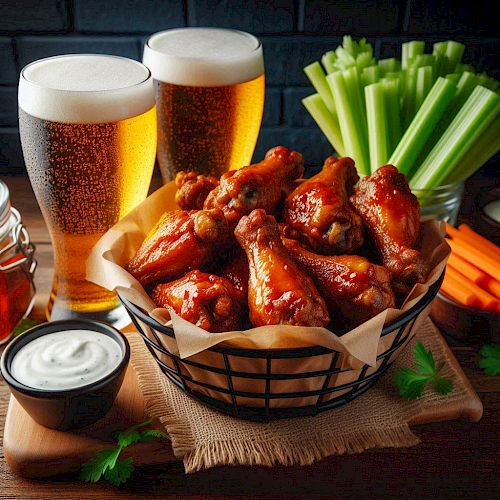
294,33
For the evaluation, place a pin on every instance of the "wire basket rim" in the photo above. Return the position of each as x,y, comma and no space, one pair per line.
289,352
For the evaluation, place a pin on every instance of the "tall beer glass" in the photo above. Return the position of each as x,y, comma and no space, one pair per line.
88,133
209,98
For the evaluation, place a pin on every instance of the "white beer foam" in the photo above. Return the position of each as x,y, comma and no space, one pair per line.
204,57
85,88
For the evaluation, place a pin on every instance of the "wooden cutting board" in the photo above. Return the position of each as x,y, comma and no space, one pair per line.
32,450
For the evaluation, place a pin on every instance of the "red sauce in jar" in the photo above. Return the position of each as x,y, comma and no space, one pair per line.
16,267
16,293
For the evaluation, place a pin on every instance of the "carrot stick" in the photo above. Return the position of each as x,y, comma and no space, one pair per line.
451,231
486,244
474,255
472,238
458,292
467,269
486,301
492,286
474,274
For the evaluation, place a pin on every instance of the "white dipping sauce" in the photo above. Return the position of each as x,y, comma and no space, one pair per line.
66,360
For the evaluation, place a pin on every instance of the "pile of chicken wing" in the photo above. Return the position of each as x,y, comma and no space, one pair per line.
260,246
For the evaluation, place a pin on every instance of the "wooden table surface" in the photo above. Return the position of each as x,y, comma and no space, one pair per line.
455,459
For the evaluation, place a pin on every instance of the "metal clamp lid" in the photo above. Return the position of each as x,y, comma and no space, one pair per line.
21,250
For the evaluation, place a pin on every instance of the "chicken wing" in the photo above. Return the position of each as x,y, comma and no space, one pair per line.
236,271
319,211
354,289
206,300
391,213
193,189
279,292
256,186
180,242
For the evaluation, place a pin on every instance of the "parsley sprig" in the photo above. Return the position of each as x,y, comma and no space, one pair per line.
490,362
107,463
412,383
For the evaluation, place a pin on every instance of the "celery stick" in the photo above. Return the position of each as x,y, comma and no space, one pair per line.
328,61
376,117
454,53
440,66
424,84
478,113
364,47
410,50
439,52
365,60
344,58
453,77
393,112
465,86
389,65
449,54
356,94
484,80
326,121
349,45
404,55
370,75
351,121
481,151
439,48
422,60
422,126
426,60
316,75
409,87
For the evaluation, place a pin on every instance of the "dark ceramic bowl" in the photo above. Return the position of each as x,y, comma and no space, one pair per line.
71,408
467,325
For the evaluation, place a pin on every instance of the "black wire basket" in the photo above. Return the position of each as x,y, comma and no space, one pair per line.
264,385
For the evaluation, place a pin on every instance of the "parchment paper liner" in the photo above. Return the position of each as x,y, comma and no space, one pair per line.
358,347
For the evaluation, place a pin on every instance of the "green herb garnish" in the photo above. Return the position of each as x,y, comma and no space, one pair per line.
411,383
491,359
106,463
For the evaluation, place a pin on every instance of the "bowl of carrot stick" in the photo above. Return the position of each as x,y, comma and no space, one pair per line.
468,305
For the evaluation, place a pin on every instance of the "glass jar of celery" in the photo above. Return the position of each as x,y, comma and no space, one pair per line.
441,202
433,117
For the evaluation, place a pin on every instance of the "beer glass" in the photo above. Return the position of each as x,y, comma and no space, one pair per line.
209,98
88,133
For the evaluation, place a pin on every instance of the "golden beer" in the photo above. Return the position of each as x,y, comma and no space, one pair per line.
90,158
209,97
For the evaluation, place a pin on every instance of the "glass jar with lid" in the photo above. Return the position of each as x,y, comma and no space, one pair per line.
17,267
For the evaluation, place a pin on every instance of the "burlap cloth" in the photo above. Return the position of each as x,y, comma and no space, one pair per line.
205,438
